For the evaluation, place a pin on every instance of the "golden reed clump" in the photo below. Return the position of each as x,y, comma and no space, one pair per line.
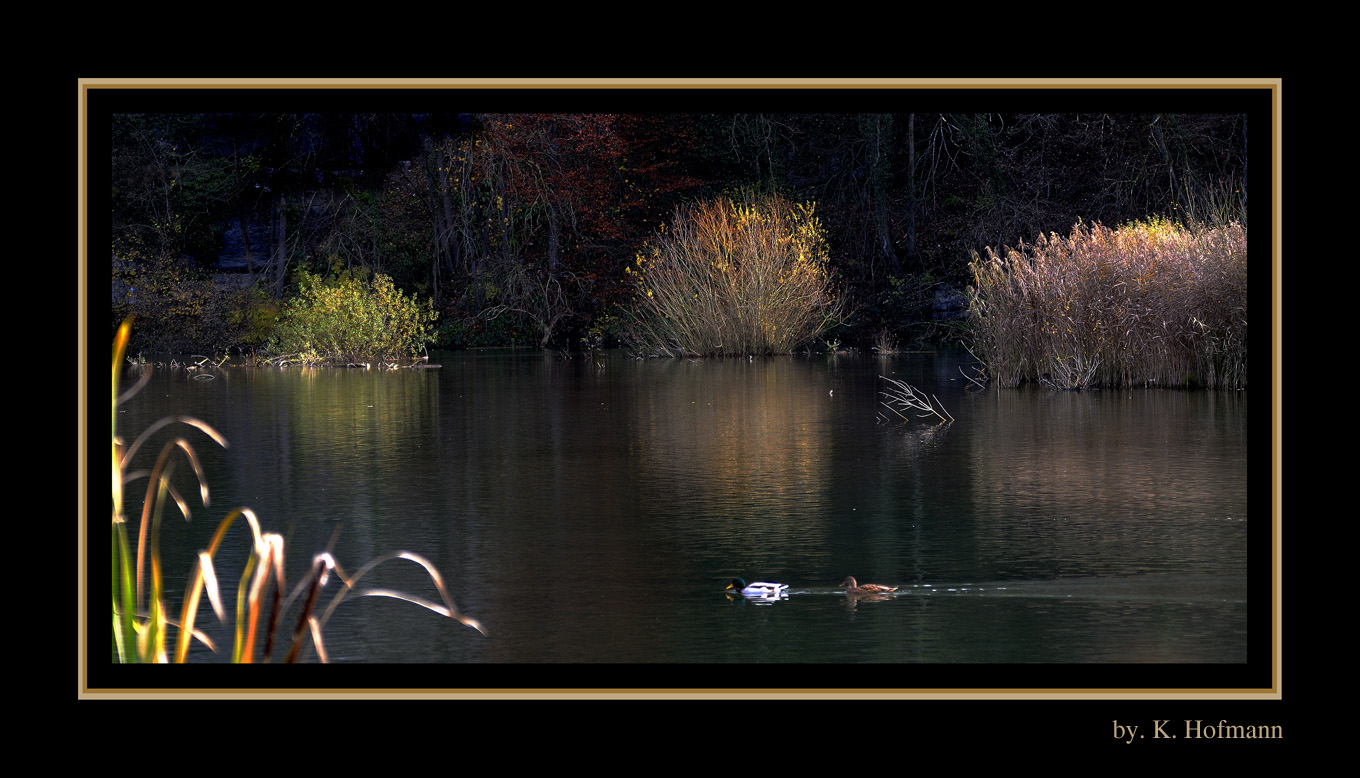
734,276
1151,303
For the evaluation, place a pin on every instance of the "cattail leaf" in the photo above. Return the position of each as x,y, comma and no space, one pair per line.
210,585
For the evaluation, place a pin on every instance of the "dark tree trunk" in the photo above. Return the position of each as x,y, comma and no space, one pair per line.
554,230
245,238
911,185
280,246
878,184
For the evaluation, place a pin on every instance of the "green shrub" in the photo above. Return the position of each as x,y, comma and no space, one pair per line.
346,319
174,302
253,317
1152,303
746,276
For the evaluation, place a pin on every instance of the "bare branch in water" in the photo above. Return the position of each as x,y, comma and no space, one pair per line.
906,397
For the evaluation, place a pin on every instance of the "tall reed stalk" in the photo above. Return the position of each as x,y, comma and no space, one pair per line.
1151,303
142,621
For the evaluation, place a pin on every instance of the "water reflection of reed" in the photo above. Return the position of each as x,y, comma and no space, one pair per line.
742,441
1065,480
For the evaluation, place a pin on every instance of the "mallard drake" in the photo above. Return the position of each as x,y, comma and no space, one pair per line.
853,587
758,589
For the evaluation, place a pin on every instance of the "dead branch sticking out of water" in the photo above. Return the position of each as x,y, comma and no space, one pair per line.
904,397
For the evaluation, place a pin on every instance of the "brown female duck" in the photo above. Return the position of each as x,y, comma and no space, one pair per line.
853,587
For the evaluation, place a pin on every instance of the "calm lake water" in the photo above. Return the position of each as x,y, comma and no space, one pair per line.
592,510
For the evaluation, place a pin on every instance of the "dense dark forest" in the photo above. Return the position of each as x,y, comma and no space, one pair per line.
519,227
